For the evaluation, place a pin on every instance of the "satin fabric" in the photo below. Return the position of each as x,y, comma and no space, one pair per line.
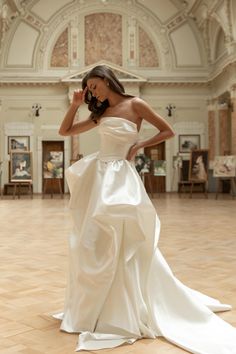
120,287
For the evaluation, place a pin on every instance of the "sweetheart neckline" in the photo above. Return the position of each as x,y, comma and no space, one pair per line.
127,120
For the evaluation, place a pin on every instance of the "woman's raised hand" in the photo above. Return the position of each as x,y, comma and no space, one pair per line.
78,96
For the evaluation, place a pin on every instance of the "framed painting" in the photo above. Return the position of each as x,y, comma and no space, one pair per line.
177,161
198,167
21,166
19,143
224,166
53,165
187,143
142,163
159,168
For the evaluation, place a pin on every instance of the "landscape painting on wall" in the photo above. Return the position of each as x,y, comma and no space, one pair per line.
187,143
19,143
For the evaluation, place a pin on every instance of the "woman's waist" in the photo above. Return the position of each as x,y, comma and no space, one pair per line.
106,157
113,151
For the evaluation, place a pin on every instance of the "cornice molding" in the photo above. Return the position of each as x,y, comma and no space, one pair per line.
10,82
177,83
125,75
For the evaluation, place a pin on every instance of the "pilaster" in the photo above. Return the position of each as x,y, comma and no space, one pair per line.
224,144
211,131
233,120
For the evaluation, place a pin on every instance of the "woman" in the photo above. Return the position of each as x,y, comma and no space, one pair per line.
120,288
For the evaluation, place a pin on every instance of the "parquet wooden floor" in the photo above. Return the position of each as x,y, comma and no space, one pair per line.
198,239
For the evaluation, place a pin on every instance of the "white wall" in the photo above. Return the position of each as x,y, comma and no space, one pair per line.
16,119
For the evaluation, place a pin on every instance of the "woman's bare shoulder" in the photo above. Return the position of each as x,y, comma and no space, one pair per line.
138,102
141,107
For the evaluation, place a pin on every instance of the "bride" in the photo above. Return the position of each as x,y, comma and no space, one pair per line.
120,288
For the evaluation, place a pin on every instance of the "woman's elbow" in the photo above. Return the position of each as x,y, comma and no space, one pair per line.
62,132
170,134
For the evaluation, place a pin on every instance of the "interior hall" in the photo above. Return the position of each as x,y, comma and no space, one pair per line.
177,55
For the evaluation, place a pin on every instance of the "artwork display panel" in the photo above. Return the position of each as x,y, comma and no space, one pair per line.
198,167
159,168
177,161
142,163
224,166
21,166
53,165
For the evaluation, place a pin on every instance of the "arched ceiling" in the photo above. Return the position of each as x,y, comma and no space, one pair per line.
182,31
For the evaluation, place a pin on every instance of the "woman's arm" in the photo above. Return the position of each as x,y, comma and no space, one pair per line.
67,127
144,111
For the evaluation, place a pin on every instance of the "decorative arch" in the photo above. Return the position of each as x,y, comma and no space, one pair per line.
73,13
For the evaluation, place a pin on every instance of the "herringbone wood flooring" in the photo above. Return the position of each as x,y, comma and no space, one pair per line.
198,239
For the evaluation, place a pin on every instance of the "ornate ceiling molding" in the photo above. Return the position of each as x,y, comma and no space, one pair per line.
200,12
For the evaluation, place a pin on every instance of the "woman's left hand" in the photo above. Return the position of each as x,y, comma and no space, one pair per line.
132,152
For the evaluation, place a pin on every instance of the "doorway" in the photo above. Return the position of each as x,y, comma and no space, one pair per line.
53,166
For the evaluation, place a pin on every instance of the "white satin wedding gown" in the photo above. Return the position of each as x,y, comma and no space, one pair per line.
120,288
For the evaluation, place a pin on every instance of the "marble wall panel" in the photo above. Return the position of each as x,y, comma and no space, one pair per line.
103,38
147,52
59,56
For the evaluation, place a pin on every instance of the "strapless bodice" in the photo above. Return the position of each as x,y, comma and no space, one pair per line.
117,135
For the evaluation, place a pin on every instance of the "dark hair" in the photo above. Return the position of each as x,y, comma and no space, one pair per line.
103,72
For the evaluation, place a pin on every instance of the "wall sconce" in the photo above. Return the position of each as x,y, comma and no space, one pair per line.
170,109
36,108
